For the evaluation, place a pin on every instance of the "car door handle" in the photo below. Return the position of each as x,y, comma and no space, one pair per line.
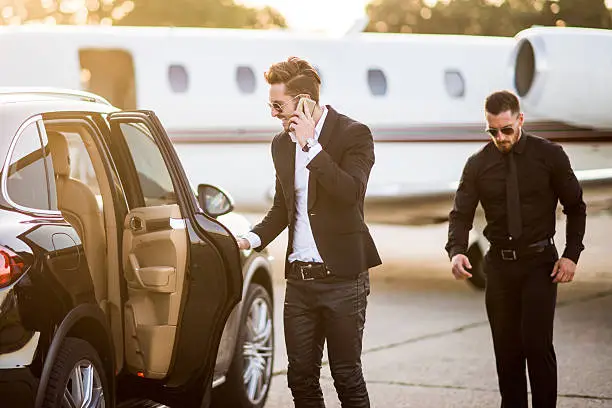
136,267
153,278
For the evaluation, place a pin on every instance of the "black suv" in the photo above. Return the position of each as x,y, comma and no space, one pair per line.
116,279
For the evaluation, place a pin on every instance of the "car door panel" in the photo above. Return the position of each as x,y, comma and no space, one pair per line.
183,276
154,262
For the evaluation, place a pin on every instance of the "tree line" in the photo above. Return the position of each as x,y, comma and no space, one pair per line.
476,17
169,13
484,17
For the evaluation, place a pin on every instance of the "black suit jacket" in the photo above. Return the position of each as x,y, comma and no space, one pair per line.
336,190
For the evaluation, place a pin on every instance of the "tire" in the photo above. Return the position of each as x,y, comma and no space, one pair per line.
77,359
235,392
478,279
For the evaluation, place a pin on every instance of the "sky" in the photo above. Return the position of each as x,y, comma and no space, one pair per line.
331,16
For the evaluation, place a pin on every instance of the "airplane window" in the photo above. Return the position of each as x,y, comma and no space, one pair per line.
454,82
377,82
178,78
245,77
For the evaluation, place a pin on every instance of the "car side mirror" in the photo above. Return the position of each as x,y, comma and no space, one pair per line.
214,201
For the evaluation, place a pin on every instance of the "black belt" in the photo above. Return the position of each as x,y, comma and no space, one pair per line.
307,271
512,254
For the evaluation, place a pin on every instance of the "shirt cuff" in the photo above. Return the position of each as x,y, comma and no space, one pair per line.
456,250
253,239
314,150
571,253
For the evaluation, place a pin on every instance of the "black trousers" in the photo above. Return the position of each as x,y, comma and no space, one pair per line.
520,300
328,309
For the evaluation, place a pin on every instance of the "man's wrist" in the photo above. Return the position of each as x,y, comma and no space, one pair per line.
253,239
309,144
571,254
456,251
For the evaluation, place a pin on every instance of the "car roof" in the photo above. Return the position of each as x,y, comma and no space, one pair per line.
26,94
19,105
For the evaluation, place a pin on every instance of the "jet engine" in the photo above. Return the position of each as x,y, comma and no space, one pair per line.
565,74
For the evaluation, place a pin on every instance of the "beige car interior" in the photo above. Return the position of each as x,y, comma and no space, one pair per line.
154,260
111,304
79,206
154,251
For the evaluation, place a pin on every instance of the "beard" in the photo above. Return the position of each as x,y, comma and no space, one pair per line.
285,123
504,147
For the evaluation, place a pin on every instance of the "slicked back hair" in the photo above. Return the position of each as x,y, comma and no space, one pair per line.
502,101
298,75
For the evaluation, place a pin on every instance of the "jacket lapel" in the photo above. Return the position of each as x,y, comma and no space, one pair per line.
287,177
328,126
324,138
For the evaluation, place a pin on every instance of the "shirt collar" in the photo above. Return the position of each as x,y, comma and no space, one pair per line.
520,145
318,128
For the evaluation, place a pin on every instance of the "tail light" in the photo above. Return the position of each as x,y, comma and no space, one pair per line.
11,267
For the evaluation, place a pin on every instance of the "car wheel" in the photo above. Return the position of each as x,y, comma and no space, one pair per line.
250,373
77,378
478,279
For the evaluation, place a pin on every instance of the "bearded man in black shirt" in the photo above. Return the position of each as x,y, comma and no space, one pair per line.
519,179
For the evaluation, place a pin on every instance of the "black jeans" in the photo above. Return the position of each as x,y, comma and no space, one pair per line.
328,309
520,300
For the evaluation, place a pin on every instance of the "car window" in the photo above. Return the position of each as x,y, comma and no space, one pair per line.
154,177
26,183
80,165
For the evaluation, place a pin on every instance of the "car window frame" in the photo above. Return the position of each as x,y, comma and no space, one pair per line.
38,121
124,162
141,199
127,172
94,123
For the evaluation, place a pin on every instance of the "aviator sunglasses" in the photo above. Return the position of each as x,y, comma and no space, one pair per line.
279,107
506,130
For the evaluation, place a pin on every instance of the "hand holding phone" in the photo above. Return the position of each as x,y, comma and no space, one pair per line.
302,122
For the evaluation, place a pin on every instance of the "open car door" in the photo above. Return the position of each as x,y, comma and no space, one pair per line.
182,277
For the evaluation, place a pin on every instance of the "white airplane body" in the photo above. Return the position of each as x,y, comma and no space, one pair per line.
422,96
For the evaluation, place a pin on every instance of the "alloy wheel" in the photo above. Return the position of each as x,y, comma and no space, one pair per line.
257,350
84,387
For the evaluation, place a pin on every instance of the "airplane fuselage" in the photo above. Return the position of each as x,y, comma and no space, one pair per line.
422,96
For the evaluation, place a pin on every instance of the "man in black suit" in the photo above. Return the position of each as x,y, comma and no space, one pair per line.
322,160
519,179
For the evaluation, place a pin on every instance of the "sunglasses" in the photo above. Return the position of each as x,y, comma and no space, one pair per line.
506,130
279,107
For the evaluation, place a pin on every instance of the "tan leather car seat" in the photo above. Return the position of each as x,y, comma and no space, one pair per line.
79,206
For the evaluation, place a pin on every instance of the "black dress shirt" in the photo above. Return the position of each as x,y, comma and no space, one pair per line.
545,177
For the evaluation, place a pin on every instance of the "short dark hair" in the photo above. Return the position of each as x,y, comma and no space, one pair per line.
298,76
502,101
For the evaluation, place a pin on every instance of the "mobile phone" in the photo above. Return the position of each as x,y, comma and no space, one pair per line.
306,103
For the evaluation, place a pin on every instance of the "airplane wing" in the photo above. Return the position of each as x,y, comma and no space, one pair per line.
409,204
597,188
420,204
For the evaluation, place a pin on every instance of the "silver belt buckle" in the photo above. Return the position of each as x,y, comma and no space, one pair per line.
302,267
508,254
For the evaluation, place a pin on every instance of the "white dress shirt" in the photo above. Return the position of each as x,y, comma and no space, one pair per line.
304,246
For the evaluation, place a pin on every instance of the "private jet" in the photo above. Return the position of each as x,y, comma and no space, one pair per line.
421,95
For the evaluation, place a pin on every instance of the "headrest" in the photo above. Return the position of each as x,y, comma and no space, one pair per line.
59,153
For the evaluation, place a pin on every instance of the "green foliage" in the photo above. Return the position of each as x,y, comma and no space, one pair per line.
178,13
483,17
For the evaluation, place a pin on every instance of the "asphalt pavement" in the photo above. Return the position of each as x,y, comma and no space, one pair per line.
427,341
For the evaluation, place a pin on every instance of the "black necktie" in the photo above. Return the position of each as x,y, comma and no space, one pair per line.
513,202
